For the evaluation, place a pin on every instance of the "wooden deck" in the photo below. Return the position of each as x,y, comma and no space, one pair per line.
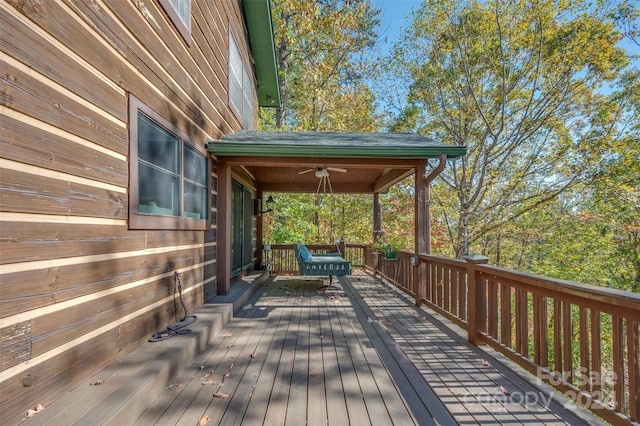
357,354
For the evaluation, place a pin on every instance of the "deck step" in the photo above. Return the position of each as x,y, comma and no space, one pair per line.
123,390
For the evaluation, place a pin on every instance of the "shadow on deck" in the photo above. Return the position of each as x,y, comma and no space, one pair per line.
300,352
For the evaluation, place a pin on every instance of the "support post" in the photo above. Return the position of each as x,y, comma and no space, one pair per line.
377,217
421,235
476,299
223,243
259,236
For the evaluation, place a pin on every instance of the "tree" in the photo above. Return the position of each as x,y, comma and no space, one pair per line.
516,82
320,48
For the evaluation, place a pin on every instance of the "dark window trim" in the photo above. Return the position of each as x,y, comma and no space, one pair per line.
184,30
145,221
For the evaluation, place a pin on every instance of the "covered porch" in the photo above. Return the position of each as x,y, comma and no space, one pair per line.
299,352
307,162
580,339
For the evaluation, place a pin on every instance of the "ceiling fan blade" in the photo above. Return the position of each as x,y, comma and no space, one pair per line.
305,171
337,169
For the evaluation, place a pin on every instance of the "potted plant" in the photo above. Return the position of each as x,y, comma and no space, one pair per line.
386,246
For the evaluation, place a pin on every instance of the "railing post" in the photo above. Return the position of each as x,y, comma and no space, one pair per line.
476,299
420,283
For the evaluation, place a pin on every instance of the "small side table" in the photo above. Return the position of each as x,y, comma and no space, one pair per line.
268,264
391,270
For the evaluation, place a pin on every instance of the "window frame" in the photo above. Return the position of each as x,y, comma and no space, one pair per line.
183,28
139,220
241,115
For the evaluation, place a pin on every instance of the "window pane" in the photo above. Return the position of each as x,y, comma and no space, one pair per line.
195,165
195,201
159,191
157,146
183,9
235,75
247,91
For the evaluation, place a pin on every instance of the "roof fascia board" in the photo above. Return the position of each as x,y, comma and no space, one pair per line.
303,150
259,23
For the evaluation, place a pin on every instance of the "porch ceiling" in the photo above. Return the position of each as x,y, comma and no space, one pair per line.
374,161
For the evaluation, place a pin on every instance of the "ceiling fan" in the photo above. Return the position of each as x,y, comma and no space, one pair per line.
322,172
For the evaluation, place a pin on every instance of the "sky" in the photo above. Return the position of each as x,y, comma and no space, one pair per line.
394,18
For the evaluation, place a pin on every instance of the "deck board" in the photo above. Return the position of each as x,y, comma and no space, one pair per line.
466,379
357,355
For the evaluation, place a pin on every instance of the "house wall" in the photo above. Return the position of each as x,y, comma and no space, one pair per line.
77,287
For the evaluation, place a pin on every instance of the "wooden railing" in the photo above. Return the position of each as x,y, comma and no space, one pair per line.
581,339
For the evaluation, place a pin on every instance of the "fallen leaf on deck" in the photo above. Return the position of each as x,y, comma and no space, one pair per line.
179,385
254,355
504,390
486,363
33,411
220,395
97,383
206,376
226,335
500,409
204,420
454,392
210,382
321,336
314,374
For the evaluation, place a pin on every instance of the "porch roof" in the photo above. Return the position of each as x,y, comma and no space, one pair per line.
333,145
280,161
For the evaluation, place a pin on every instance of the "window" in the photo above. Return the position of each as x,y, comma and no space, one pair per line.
179,12
240,86
169,185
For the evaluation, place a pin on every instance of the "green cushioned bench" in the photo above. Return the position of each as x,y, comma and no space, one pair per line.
319,264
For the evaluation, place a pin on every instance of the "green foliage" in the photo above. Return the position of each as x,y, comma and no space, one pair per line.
320,219
321,47
516,82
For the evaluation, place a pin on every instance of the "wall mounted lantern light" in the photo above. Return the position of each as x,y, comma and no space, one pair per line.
270,203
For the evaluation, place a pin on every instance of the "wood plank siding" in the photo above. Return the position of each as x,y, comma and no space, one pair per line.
78,288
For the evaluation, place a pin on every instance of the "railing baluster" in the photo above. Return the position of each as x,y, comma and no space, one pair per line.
505,315
540,334
618,361
584,348
522,323
567,353
596,358
557,336
447,289
463,293
439,287
454,294
492,302
633,365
